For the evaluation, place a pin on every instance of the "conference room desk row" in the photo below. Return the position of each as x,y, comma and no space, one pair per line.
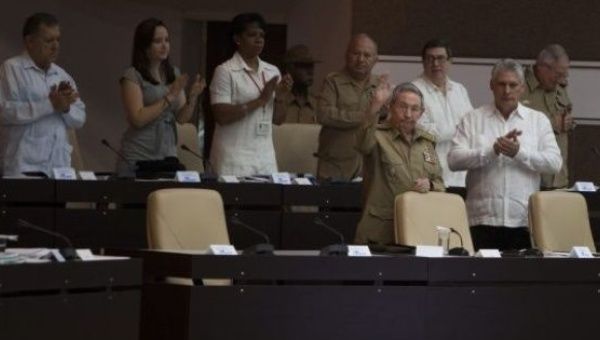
95,300
112,213
297,295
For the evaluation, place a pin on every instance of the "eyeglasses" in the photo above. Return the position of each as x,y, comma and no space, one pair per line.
406,108
440,59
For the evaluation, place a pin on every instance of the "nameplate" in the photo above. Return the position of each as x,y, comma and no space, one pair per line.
429,251
57,255
228,179
488,253
585,186
281,178
302,181
87,175
64,174
187,176
359,251
85,254
581,252
221,249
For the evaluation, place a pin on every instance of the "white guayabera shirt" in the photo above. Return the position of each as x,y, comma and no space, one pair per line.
498,187
443,112
33,136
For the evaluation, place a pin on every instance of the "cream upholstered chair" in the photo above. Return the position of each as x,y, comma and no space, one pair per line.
188,134
186,219
559,220
416,215
295,145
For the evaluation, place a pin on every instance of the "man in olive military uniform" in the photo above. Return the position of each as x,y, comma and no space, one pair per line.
400,158
300,103
544,92
341,108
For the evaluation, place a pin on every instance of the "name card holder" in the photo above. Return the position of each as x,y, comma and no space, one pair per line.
429,251
488,253
222,249
359,251
64,174
187,176
581,252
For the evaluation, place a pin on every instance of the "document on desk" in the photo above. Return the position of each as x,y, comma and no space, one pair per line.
43,255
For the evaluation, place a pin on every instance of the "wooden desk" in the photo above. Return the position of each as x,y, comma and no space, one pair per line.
311,297
76,300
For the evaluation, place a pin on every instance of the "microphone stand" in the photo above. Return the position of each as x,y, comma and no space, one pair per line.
208,174
68,252
265,248
338,249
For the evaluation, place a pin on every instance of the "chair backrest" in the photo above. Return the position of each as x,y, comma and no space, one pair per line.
416,215
188,134
559,220
295,145
185,219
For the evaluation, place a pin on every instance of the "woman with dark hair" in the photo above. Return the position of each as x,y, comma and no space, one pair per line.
153,96
246,95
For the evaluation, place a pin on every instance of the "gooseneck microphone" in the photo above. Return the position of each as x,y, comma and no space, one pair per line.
115,151
265,248
208,173
458,251
339,249
128,171
67,252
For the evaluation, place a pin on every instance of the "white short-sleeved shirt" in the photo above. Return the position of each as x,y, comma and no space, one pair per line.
443,112
498,187
244,147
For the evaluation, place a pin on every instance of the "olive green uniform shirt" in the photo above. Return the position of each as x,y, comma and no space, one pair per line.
552,104
299,110
394,164
341,108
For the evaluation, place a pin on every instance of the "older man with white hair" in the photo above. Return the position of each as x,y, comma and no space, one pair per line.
504,147
546,91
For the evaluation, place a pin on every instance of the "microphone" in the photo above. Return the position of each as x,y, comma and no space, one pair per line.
107,144
208,173
257,249
339,249
68,253
124,172
458,251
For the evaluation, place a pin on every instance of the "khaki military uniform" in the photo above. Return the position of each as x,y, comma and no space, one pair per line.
553,104
395,164
300,111
341,108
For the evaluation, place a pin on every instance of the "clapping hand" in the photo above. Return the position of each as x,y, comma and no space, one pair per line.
285,85
62,96
197,87
381,94
508,144
176,87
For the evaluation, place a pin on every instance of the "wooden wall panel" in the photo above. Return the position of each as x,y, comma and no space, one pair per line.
484,28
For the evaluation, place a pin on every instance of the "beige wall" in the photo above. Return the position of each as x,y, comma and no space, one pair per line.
97,35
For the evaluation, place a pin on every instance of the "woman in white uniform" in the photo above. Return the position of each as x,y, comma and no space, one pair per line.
244,97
